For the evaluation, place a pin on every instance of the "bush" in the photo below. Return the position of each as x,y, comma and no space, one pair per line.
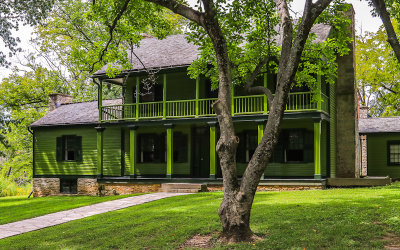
10,188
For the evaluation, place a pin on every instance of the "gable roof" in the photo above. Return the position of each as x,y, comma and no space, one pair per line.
379,125
74,113
175,51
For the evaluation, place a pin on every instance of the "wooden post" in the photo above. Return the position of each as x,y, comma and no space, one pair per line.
132,150
213,164
317,150
233,100
260,133
319,104
197,96
100,101
265,97
137,97
170,150
164,95
100,146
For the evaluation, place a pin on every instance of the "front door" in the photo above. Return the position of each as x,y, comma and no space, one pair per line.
201,152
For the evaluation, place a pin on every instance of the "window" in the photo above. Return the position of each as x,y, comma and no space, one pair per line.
393,152
149,92
69,148
180,144
294,146
248,141
151,148
294,151
68,186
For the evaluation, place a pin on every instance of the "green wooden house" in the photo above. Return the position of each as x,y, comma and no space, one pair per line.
167,132
380,146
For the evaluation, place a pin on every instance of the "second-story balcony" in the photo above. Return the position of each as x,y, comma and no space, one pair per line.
193,108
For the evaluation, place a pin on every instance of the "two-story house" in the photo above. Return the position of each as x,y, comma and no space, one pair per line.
164,130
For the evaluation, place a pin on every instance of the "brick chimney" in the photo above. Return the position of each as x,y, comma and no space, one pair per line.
57,99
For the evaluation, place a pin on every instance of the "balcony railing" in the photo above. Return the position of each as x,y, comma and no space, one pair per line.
242,105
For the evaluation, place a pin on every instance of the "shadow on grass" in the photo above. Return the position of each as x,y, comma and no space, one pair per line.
338,219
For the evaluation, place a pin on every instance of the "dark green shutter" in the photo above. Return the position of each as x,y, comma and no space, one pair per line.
59,149
139,148
78,148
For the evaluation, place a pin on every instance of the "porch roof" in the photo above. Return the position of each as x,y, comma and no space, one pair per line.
74,113
379,125
175,51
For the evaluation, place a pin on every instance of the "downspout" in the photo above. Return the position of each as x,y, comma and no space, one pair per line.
32,132
99,96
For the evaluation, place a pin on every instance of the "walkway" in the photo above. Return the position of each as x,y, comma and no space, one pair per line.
53,219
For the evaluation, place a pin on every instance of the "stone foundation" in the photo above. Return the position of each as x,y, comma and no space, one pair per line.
46,186
88,187
107,189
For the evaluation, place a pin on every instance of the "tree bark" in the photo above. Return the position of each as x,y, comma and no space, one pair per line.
380,7
235,208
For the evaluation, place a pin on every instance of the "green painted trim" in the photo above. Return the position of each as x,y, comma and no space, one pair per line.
241,105
233,99
265,97
170,151
260,134
164,95
137,97
317,148
132,150
319,92
197,95
212,151
64,176
100,100
100,147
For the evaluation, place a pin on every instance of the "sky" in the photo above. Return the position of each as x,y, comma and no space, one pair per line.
364,22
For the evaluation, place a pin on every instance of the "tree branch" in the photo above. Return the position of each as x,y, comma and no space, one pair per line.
392,38
250,89
178,8
111,32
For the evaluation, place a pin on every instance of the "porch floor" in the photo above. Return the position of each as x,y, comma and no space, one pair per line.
218,181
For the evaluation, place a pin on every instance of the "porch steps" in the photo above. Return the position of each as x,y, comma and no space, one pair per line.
183,187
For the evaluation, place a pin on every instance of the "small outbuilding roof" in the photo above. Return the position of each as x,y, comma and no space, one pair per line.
74,113
175,51
379,125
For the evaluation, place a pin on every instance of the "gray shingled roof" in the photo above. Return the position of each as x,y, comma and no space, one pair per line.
379,125
74,113
175,51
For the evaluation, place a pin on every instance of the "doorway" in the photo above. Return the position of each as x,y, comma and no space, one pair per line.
201,152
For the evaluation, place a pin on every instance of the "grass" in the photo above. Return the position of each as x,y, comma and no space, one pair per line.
336,219
17,208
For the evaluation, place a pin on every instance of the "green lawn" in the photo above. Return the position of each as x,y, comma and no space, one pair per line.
336,219
20,207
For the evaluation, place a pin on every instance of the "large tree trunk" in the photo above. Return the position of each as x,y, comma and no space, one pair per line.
238,198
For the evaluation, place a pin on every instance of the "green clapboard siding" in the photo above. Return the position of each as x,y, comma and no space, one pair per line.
45,152
289,170
112,152
377,155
